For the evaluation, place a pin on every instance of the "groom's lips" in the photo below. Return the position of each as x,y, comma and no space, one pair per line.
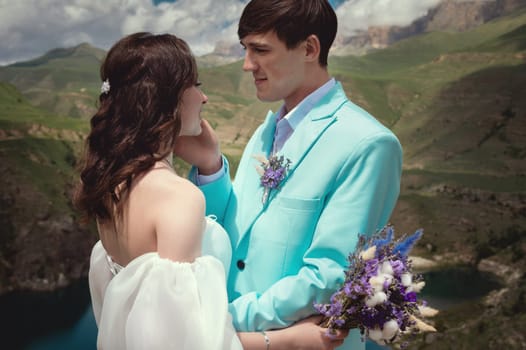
259,81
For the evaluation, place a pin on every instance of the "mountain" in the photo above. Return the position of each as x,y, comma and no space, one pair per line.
454,99
64,81
224,53
448,15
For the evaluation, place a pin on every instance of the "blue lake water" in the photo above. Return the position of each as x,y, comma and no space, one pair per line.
48,320
82,336
64,320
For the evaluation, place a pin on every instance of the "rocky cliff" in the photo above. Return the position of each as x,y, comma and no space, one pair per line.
448,15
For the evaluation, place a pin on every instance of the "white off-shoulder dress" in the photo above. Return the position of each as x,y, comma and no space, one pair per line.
155,303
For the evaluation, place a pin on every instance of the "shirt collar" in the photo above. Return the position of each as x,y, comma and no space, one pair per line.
296,115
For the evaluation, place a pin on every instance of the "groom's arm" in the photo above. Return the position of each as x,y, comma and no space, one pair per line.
363,198
217,192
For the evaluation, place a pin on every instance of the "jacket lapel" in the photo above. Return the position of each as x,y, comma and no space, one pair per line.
266,137
296,148
252,190
311,129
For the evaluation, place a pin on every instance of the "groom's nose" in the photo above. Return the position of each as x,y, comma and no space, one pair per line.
249,65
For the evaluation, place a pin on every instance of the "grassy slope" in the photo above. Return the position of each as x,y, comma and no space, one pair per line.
37,155
63,81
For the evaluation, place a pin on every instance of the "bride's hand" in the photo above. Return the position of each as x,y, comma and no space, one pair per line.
308,335
201,150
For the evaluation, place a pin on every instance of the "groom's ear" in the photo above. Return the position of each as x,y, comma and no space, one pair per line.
312,48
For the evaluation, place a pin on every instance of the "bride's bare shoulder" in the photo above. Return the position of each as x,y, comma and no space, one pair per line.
164,184
177,210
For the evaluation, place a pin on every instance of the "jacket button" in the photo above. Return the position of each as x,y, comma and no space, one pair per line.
240,264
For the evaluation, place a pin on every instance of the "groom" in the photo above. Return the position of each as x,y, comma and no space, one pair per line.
290,243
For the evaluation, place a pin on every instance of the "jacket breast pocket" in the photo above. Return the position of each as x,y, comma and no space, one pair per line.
299,218
301,204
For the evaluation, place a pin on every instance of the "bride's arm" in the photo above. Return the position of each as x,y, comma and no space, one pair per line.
179,222
305,335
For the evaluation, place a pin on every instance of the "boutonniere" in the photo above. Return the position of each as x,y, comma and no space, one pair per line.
272,171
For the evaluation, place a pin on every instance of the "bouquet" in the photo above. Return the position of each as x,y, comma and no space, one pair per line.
379,294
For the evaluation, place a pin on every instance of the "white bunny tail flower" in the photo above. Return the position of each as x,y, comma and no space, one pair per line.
368,254
406,279
375,334
377,298
260,158
388,279
387,268
260,170
263,161
105,87
390,329
417,287
377,282
427,311
421,325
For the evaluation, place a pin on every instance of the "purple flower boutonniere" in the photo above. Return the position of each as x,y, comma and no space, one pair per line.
272,172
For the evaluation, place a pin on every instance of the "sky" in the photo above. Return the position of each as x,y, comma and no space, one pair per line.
29,28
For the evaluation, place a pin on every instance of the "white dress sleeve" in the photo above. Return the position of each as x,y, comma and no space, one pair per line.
99,277
155,303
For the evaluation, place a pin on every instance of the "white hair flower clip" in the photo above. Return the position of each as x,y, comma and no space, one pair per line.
105,87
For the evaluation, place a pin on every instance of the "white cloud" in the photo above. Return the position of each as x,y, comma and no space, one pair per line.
28,28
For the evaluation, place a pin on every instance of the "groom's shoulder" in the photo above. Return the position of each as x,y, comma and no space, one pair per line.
355,123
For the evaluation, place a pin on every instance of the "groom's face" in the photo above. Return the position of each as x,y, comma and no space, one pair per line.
278,72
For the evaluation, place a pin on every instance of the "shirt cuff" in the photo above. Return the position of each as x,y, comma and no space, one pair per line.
206,179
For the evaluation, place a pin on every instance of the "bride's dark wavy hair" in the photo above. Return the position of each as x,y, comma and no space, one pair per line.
137,120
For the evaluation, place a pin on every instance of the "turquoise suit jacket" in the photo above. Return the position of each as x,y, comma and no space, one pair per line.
344,180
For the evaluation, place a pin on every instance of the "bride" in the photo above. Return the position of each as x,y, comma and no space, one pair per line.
157,275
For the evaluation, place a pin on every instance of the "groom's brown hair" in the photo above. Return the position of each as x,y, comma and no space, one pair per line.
293,21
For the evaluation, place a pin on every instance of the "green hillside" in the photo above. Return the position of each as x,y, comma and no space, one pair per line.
63,81
41,245
434,88
30,133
